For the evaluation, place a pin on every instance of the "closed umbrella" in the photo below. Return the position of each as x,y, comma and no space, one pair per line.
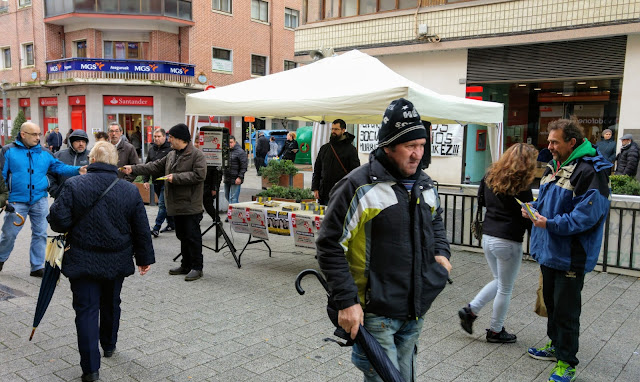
372,348
52,267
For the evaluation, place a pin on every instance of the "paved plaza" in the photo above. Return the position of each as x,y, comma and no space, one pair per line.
249,324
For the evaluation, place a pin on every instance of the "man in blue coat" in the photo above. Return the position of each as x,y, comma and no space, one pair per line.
572,208
54,140
24,166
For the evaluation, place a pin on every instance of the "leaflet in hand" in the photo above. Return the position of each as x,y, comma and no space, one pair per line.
162,178
527,207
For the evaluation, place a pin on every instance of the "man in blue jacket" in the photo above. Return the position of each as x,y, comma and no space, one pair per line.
24,166
572,208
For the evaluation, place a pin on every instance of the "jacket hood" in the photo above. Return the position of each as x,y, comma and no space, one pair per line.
587,152
348,138
78,134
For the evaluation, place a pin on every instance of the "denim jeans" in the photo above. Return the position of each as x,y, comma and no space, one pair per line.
504,258
38,213
162,212
232,192
399,338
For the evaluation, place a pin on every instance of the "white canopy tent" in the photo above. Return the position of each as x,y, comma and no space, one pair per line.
353,86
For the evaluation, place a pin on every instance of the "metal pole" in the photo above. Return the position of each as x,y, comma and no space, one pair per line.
4,115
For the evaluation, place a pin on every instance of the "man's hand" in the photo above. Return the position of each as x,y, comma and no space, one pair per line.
442,260
9,208
316,194
170,178
146,185
350,319
238,180
524,213
541,222
126,169
143,269
82,170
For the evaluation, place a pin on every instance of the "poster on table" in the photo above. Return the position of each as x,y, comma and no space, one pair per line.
304,230
278,222
367,138
257,224
238,219
446,140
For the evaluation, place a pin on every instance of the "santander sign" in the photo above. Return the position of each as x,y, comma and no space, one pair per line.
127,101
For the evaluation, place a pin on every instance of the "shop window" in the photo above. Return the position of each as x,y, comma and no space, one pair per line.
363,7
258,65
288,65
121,50
291,17
24,3
260,10
221,5
80,48
6,58
222,60
27,55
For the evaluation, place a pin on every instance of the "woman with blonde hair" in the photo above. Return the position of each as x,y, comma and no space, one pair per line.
503,229
290,148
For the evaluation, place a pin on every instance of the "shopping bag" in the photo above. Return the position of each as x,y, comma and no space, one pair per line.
540,308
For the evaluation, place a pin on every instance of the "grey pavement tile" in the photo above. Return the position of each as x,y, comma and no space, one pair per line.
259,365
227,362
36,372
49,355
13,366
443,372
197,373
299,366
190,361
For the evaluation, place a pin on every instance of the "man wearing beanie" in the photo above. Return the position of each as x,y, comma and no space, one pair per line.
383,245
76,155
185,168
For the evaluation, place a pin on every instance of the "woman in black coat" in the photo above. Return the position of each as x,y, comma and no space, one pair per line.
99,256
290,148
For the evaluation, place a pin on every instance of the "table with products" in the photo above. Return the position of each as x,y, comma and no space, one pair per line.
300,221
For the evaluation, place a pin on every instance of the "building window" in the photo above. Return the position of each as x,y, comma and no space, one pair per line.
363,7
291,17
221,5
27,55
288,65
6,58
24,3
258,65
122,50
260,10
222,60
80,48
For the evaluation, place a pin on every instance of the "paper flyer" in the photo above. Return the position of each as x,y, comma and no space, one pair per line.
257,224
278,222
238,219
304,230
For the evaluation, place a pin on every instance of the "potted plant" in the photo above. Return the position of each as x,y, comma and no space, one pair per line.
288,194
282,173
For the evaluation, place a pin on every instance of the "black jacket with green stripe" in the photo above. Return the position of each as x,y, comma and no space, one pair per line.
377,243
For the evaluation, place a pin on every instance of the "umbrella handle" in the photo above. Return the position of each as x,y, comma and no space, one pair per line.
21,220
310,272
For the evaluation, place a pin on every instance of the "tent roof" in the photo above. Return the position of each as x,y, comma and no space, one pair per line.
353,86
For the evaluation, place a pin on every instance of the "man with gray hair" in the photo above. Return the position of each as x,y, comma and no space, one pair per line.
24,166
158,150
627,160
126,152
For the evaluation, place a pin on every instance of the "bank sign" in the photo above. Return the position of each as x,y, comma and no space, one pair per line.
121,66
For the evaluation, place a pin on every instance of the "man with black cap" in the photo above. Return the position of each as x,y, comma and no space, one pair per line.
75,155
627,160
185,169
383,245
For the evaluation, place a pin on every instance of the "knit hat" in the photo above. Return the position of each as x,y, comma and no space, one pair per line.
401,123
180,131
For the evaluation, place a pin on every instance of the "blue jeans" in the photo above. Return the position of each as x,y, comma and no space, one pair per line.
162,212
232,192
399,338
504,258
38,213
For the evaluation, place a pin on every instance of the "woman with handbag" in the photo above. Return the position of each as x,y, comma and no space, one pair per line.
99,256
503,230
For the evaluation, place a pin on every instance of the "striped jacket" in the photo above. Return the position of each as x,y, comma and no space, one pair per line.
377,243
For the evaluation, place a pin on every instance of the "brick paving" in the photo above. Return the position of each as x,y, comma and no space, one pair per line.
249,324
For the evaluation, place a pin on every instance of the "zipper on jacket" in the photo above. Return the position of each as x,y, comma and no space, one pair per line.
30,171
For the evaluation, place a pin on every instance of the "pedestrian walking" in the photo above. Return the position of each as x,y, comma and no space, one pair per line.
607,146
262,149
159,149
507,181
54,140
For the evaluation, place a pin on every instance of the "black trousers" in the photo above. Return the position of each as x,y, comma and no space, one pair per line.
259,163
93,299
188,232
208,201
562,296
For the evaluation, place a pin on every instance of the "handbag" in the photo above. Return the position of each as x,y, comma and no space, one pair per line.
57,245
476,225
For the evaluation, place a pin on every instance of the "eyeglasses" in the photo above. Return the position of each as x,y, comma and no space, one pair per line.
34,134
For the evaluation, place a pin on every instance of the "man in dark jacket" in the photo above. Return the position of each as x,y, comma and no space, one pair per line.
100,253
76,155
126,152
383,245
185,168
54,140
211,191
572,208
262,148
234,173
627,160
158,150
335,159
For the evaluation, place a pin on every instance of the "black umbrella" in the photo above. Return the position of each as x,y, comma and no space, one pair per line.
55,249
374,352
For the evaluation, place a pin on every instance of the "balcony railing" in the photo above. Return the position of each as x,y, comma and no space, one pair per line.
180,9
109,69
